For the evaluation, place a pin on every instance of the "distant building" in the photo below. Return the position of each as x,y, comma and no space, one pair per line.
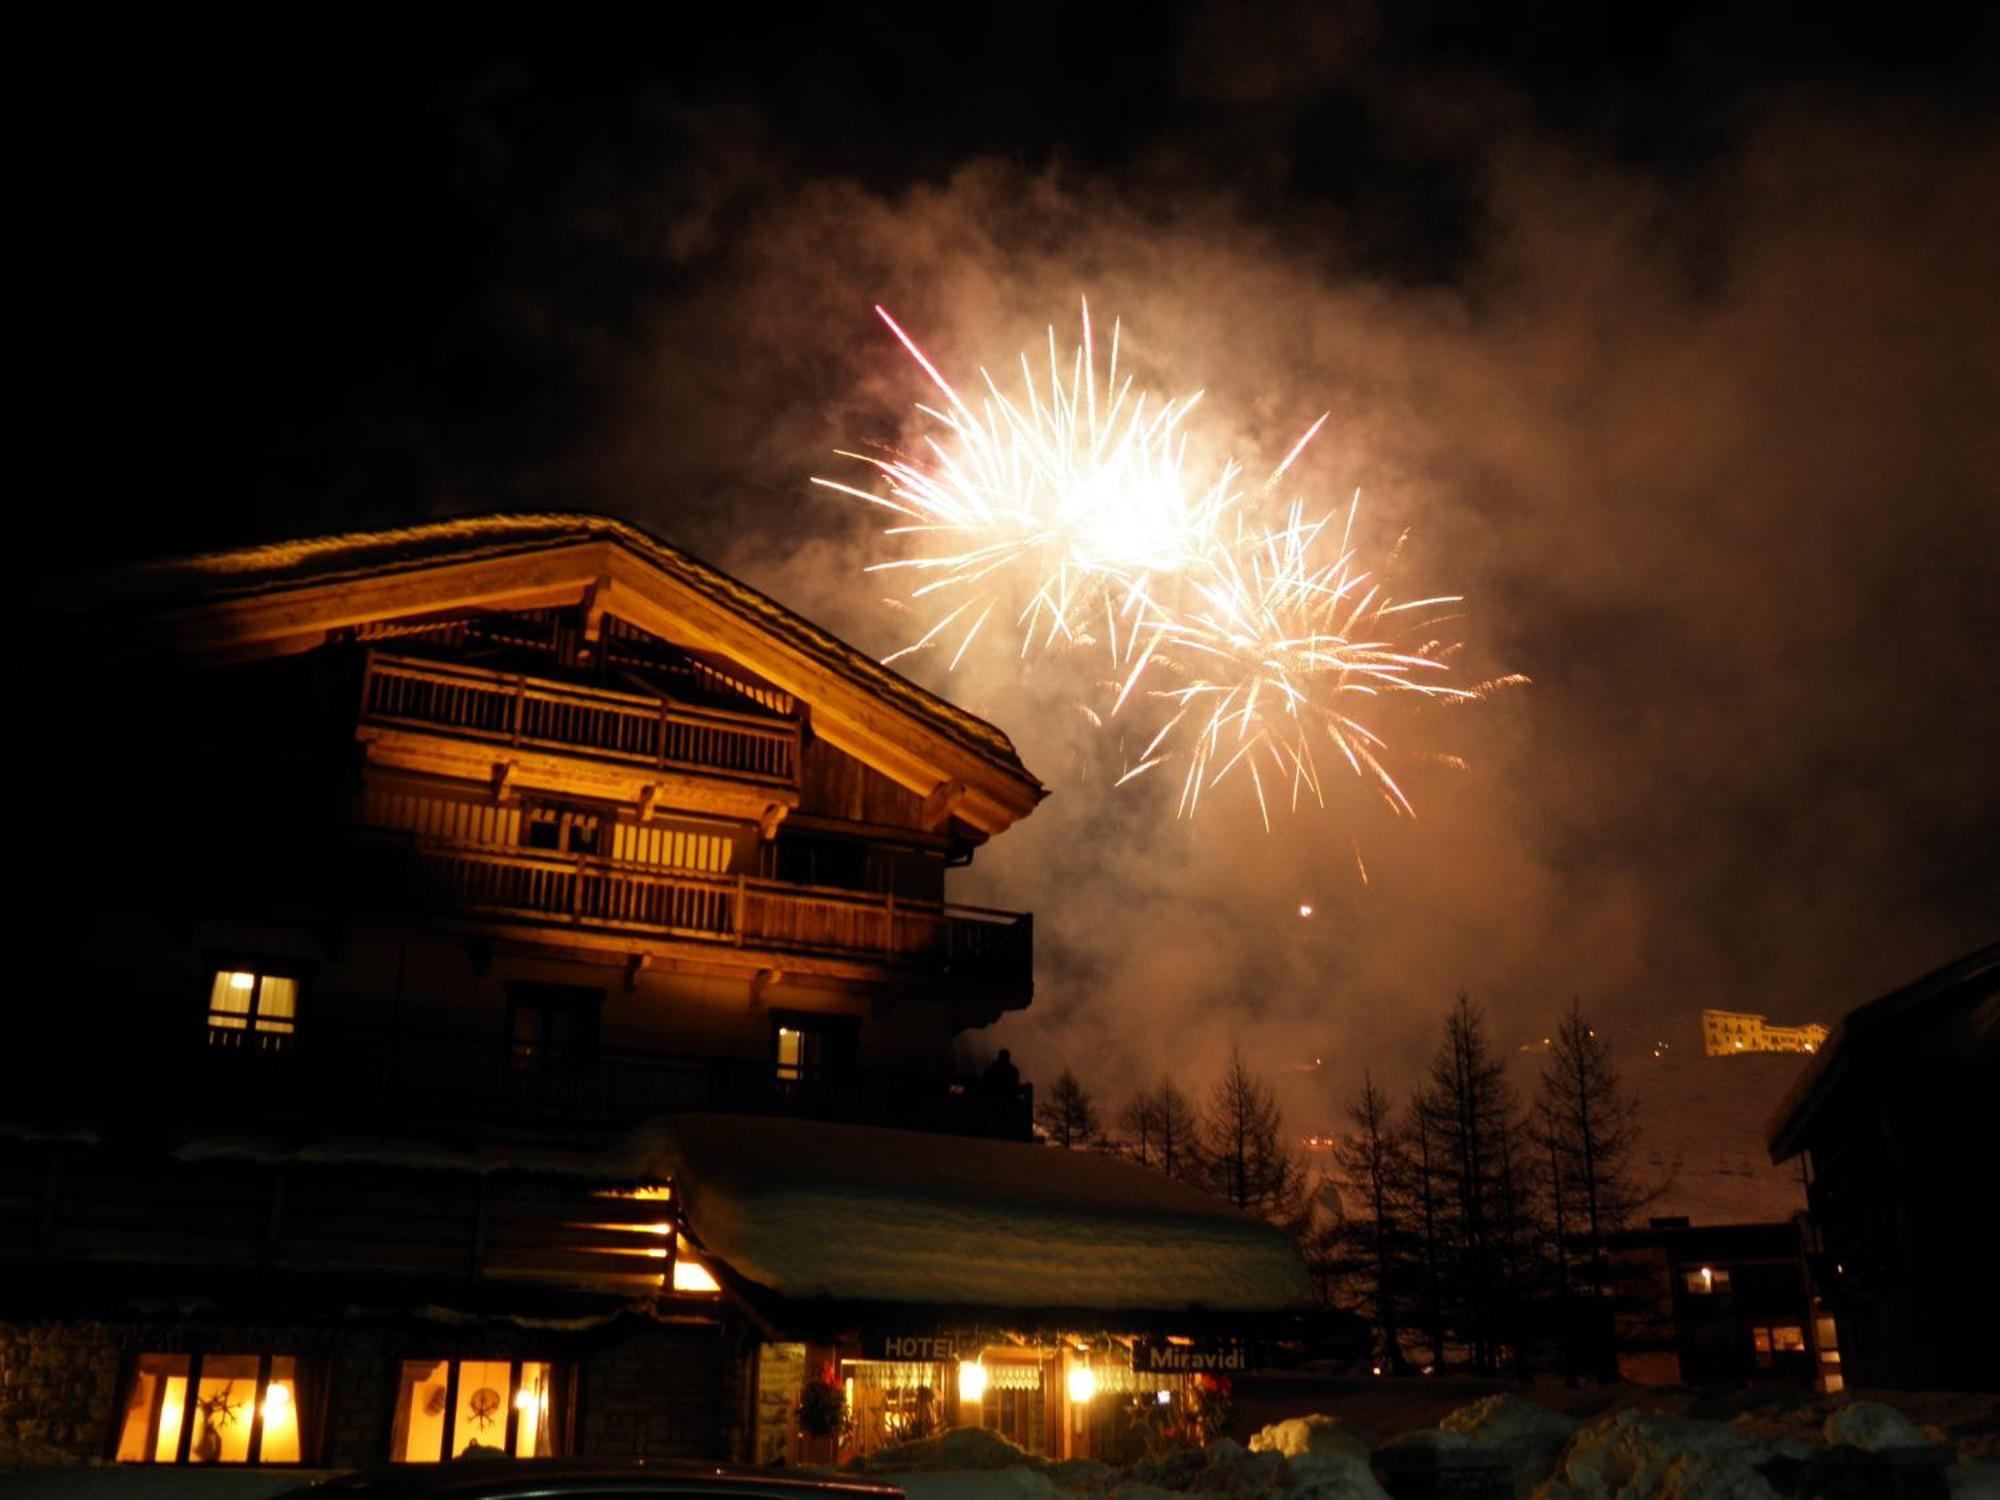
1898,1119
1725,1033
1719,1305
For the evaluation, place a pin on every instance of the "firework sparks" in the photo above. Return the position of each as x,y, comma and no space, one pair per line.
1068,498
1275,655
1053,504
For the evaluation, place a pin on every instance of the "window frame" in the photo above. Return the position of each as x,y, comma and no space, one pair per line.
542,1056
839,1046
261,967
308,1397
560,1399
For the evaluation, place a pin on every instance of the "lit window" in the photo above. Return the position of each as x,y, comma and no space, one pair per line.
807,1048
491,1407
1788,1340
693,1278
1707,1282
244,1409
251,1010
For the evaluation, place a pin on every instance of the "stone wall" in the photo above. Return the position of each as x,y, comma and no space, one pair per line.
659,1393
58,1387
644,1390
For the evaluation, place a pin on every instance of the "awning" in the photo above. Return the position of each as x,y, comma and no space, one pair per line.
816,1211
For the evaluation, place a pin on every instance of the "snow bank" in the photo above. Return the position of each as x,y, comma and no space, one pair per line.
849,1211
1643,1455
1318,1433
1872,1427
1531,1436
975,1484
958,1449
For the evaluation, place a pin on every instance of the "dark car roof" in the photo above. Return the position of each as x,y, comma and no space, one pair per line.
497,1479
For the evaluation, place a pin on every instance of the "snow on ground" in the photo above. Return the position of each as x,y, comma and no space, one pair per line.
1629,1452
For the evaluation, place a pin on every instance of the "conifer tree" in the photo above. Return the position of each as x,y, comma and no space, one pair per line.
1243,1152
1474,1133
1377,1237
1161,1129
1589,1135
1067,1114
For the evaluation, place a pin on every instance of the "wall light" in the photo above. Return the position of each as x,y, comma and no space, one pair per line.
1081,1382
971,1380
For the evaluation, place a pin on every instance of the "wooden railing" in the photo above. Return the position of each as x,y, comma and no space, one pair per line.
599,723
445,1075
963,941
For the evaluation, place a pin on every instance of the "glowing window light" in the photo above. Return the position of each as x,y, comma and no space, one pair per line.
693,1276
971,1380
1081,1383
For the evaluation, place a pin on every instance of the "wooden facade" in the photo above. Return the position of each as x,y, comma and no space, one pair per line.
385,882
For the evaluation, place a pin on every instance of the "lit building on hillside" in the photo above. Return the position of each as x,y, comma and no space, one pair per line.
424,927
1726,1033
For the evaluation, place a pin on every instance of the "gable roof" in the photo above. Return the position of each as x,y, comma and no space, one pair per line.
286,595
1864,1030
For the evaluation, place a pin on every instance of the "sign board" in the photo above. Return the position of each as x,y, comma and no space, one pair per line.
1195,1357
932,1346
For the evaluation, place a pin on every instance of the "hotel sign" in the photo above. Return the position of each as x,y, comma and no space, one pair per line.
932,1347
1193,1357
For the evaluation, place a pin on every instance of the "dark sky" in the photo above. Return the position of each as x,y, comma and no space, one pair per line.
1672,334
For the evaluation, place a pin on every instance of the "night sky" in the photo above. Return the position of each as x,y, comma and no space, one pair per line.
1672,335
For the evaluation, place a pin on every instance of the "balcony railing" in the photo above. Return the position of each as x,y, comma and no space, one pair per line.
597,723
438,1076
964,942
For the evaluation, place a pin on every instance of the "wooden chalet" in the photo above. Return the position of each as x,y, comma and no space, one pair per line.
381,883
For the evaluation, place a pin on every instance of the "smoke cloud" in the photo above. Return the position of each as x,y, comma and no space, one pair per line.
1704,436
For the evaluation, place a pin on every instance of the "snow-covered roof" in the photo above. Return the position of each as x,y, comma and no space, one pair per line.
810,1210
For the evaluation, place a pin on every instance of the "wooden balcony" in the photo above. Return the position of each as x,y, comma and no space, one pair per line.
631,731
967,944
432,1078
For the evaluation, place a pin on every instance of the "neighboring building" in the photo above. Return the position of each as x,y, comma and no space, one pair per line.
1898,1119
1725,1033
387,892
1719,1305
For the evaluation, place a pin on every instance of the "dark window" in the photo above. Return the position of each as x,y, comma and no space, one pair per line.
814,859
552,1026
564,830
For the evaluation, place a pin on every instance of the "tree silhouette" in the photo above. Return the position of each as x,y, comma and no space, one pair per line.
1243,1154
1067,1114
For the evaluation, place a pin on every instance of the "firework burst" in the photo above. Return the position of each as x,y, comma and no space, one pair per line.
1273,653
1068,499
1052,505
